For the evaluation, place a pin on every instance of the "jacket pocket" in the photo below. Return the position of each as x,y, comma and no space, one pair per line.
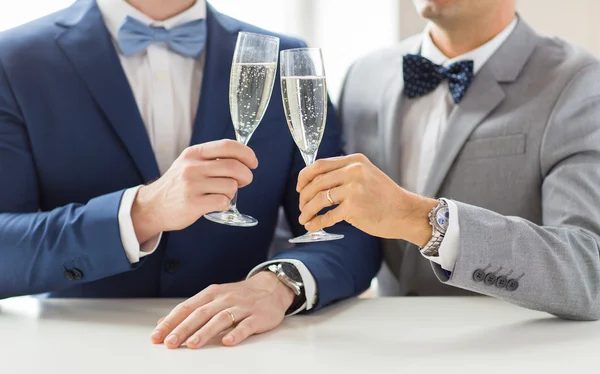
508,145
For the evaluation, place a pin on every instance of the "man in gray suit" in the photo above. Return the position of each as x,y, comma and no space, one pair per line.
502,123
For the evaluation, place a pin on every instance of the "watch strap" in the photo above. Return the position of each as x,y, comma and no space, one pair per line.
432,248
286,270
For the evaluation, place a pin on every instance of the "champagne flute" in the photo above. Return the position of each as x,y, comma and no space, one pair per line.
250,86
304,92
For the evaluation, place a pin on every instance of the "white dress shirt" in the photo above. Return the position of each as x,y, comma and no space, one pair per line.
166,87
425,120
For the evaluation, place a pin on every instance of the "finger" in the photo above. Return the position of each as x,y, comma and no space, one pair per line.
219,186
225,148
320,202
180,313
241,332
327,220
193,323
322,182
167,324
211,203
160,320
229,168
219,323
322,166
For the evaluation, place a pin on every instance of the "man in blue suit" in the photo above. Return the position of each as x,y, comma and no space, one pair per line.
111,152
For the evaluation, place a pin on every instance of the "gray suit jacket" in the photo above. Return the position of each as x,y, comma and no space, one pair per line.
521,159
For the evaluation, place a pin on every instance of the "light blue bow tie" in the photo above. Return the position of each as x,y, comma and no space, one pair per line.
188,39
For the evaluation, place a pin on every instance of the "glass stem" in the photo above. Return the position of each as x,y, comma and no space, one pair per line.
309,159
233,204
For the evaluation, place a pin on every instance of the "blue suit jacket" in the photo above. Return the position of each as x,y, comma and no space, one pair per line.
72,140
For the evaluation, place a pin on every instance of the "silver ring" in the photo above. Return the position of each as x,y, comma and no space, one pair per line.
233,321
329,197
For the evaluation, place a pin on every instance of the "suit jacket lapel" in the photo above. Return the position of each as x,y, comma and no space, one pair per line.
88,45
484,95
391,114
213,119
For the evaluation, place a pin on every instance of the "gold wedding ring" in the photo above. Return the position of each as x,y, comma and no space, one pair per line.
329,197
232,318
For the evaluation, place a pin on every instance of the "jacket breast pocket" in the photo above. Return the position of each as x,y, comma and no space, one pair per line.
500,146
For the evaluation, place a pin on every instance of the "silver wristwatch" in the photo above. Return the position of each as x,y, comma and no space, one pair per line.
284,274
439,218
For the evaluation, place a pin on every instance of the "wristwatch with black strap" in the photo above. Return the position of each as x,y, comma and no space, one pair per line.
290,276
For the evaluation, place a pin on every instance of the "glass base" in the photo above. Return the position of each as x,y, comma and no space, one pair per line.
232,218
316,236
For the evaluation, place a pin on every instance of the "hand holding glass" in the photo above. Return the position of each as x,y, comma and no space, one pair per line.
304,92
250,86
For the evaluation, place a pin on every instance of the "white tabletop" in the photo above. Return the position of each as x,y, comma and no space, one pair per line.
394,335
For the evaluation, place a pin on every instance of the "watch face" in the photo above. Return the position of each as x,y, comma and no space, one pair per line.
442,217
291,271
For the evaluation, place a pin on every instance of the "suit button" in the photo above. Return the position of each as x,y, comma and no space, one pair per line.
171,266
77,274
490,279
478,275
73,274
501,282
512,285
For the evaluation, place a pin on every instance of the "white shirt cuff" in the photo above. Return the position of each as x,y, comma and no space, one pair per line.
449,249
310,285
133,249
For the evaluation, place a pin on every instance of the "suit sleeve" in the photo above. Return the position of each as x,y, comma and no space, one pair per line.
36,248
341,268
557,264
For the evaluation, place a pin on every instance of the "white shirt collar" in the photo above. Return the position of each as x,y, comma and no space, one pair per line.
479,55
115,11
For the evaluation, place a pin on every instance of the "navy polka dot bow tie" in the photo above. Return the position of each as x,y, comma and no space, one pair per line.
422,76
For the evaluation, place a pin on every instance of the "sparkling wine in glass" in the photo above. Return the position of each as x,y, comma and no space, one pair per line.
304,92
250,86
